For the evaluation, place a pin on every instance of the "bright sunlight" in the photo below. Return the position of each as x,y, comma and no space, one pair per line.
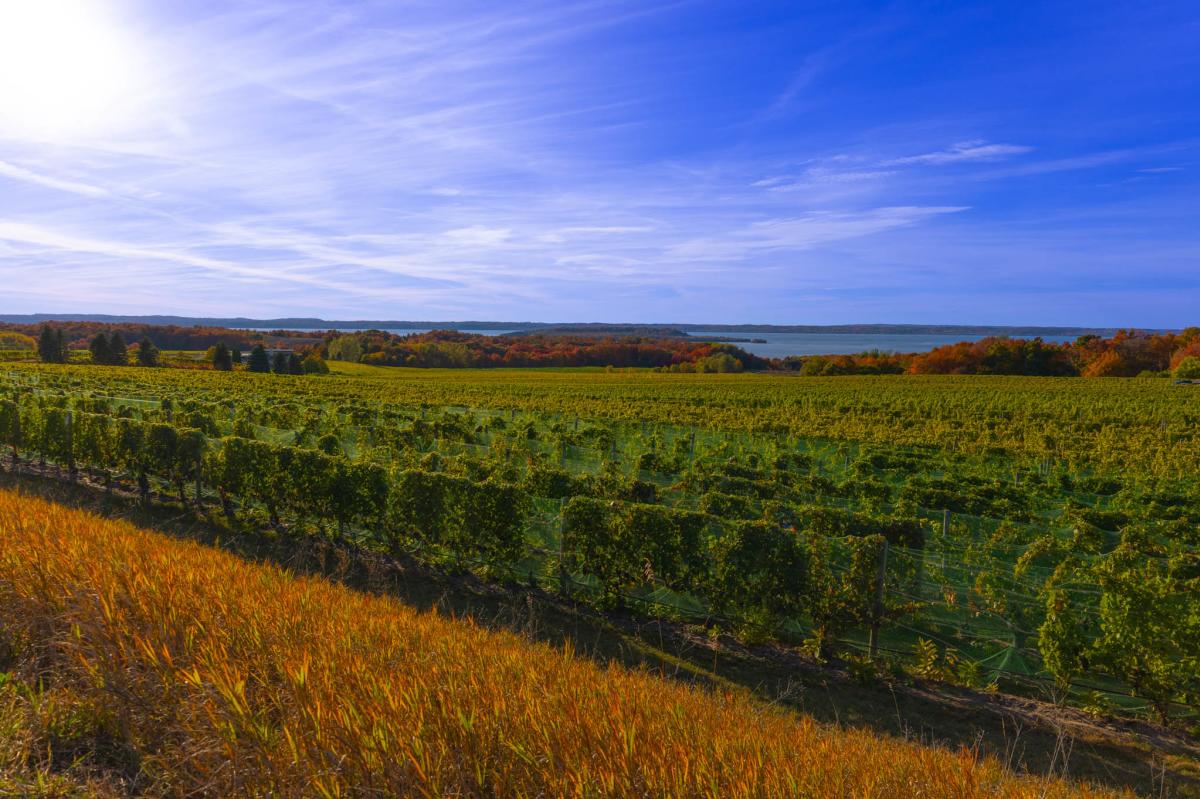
66,69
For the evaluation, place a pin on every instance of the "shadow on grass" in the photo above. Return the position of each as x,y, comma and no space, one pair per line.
1027,735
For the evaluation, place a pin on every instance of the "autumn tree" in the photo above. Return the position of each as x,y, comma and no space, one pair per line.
10,340
313,364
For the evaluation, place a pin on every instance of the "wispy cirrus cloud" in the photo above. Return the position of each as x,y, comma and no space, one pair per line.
974,150
14,172
804,232
536,160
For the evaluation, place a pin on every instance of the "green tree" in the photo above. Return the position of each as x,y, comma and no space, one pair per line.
235,356
259,362
315,365
222,360
345,348
294,365
279,363
50,345
147,354
120,352
101,351
1188,368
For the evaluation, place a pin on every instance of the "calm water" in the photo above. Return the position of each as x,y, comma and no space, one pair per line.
781,345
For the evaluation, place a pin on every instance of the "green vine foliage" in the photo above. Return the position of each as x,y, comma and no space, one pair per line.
1087,554
759,573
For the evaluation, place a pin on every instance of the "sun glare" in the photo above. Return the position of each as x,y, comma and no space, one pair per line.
66,70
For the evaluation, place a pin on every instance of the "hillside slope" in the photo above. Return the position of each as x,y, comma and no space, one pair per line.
167,668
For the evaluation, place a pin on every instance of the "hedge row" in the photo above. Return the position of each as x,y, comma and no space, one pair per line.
758,570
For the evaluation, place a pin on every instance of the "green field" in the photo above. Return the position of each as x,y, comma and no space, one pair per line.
1037,533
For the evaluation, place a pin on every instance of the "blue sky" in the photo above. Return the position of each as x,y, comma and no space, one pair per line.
690,161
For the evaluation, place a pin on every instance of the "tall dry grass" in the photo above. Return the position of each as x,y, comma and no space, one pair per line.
197,673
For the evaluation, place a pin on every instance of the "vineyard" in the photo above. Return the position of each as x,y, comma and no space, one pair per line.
1039,534
139,665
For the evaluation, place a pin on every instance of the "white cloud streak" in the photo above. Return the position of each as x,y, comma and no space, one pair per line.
975,150
15,172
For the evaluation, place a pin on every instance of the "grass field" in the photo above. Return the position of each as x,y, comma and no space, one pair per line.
136,661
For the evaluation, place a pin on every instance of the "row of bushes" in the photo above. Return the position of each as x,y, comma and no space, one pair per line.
758,570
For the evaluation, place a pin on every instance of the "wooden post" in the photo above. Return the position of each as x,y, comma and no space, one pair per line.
877,614
70,446
564,577
945,534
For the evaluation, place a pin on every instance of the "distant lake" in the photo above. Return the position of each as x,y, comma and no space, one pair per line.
781,345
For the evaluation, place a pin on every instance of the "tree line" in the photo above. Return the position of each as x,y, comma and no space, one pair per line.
1129,353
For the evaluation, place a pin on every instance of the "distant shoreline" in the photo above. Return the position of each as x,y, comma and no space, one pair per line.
316,324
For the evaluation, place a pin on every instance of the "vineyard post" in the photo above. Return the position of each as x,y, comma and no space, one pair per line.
199,484
70,447
877,613
945,534
564,578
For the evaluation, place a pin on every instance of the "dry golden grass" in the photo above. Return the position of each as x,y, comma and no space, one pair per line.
193,672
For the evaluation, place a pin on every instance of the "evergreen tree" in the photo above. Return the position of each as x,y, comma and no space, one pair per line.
147,354
235,355
101,353
222,361
279,364
48,349
61,343
295,365
120,352
259,362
